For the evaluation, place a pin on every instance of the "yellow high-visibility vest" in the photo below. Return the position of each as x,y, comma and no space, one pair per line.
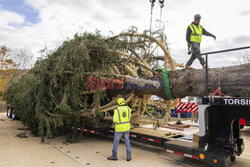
121,118
196,34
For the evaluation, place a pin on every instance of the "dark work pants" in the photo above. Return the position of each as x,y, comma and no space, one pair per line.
195,54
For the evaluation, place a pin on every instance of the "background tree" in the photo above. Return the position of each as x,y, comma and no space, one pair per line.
7,68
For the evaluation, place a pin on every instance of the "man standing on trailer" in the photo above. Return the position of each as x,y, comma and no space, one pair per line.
121,118
193,37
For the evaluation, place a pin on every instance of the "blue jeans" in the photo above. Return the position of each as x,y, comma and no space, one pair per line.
117,138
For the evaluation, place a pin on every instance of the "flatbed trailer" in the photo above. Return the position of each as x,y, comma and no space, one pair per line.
219,140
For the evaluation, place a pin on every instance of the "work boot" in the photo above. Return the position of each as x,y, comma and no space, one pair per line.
112,158
189,67
129,159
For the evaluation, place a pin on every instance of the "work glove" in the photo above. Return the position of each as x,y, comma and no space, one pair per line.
189,50
214,37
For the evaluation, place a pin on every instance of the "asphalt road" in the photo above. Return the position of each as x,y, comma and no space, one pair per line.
92,151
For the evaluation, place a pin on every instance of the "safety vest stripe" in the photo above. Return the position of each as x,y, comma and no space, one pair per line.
123,123
195,33
193,29
119,115
120,122
128,112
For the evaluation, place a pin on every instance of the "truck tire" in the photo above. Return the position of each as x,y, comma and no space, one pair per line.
13,115
232,157
9,113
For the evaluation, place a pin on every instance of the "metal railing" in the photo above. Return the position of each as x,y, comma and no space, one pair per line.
221,51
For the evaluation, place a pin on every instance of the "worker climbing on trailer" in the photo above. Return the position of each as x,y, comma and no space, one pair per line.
121,118
193,37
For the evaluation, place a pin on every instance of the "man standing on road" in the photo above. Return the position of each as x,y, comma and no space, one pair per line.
121,118
193,37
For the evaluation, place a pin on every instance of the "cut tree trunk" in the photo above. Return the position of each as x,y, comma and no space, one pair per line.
192,82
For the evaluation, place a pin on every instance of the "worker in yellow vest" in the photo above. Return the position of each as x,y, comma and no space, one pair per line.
193,38
121,118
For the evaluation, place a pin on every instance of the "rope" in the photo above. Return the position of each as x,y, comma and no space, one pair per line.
160,28
151,17
161,5
158,65
160,17
150,28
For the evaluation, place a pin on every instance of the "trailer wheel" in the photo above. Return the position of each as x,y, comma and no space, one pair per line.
232,157
241,126
9,113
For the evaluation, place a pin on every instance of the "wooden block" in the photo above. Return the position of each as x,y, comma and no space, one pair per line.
179,126
175,128
196,137
155,133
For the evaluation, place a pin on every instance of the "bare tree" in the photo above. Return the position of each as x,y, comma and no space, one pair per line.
23,58
244,58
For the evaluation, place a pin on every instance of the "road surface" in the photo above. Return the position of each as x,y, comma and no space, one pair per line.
92,151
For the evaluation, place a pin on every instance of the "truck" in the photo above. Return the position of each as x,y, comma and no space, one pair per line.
219,139
10,112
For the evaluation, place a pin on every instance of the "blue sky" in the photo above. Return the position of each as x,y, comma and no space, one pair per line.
30,14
